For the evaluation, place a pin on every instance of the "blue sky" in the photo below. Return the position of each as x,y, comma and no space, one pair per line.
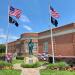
34,17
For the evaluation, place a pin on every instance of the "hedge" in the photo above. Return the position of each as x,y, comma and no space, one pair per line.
20,57
35,65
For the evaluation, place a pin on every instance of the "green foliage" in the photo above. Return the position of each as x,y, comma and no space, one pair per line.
43,63
10,72
2,54
54,72
20,57
3,63
17,61
2,48
35,65
60,64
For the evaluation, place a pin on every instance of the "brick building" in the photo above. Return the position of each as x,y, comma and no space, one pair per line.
63,41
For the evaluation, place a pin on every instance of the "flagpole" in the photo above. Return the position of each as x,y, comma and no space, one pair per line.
52,45
52,42
7,29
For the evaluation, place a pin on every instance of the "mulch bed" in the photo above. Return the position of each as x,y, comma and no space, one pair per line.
68,68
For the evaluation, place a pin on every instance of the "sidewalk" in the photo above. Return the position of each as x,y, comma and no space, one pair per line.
27,71
30,71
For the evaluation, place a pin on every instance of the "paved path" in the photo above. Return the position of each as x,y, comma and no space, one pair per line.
30,71
17,66
27,71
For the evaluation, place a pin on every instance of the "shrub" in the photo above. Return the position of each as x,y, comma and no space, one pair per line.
60,64
4,64
2,48
16,61
35,65
20,57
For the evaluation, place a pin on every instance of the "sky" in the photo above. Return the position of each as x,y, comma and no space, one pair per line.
34,17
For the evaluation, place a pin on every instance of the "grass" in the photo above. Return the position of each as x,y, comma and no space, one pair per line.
10,72
42,62
52,72
17,61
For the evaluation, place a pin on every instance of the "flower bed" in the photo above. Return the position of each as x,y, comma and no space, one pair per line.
5,65
60,66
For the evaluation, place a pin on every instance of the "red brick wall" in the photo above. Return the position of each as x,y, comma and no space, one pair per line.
63,45
74,42
40,44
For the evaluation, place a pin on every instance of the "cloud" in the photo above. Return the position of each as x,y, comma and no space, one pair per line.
3,36
13,37
28,28
24,18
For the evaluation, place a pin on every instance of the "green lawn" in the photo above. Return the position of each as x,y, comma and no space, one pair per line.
17,61
51,72
10,72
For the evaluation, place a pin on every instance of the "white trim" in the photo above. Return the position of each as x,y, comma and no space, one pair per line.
58,34
54,34
23,38
65,56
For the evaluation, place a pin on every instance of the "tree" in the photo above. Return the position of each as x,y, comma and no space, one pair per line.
2,48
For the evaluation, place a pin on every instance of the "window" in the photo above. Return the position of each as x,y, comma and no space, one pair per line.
45,46
35,46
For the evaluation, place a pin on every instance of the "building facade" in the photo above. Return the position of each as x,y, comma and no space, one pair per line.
63,42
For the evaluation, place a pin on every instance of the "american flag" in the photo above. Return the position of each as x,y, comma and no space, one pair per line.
53,12
15,12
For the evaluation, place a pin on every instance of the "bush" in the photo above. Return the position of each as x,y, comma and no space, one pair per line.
4,64
2,48
71,62
20,57
60,64
15,61
35,65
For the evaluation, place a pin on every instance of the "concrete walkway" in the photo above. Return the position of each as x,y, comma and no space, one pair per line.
27,71
30,71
